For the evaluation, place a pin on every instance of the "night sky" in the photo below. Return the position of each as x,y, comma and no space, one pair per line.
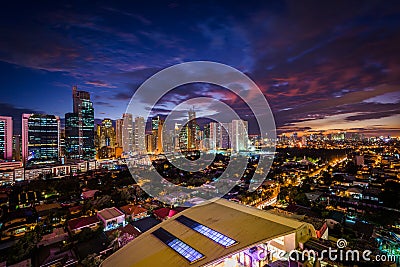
323,65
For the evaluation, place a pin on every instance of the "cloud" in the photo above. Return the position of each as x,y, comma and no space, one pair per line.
100,84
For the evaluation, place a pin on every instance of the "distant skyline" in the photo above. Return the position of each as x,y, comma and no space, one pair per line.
322,66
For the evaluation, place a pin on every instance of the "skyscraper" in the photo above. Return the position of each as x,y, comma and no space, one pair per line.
118,132
128,133
72,150
40,139
160,137
225,133
6,137
105,139
239,135
177,130
140,140
155,121
17,147
82,119
192,131
214,135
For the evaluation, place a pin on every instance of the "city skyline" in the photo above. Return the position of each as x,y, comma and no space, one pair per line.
338,74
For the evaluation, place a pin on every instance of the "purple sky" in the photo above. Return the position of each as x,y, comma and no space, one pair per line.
322,66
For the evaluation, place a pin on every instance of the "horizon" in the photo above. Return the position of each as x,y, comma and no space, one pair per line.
336,72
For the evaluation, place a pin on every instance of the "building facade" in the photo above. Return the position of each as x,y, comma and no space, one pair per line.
40,139
6,138
80,134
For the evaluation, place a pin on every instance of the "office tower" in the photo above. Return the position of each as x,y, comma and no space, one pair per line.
192,131
127,133
177,130
160,137
183,138
239,135
118,132
206,137
225,133
140,141
72,150
6,137
62,143
80,133
156,130
105,139
214,135
17,147
40,139
149,143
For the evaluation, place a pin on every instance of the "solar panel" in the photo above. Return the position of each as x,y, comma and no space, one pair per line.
178,245
217,237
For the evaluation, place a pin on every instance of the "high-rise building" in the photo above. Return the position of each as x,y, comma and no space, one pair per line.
149,143
160,137
72,138
80,135
40,139
214,135
128,133
192,131
140,141
239,135
177,130
225,133
6,137
156,130
105,139
118,132
17,147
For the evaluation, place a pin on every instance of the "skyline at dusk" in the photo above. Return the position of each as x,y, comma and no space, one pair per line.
322,67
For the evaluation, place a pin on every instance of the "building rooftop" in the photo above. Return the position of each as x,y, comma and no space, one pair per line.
46,207
145,224
82,222
109,213
208,232
132,209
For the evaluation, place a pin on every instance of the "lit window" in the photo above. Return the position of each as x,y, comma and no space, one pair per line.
207,232
178,245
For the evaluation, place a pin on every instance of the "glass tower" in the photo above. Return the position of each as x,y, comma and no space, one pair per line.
80,124
40,139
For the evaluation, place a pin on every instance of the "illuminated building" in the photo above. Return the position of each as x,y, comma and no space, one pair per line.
118,132
156,130
140,141
177,130
40,139
239,135
72,136
192,131
79,127
214,135
216,233
127,133
105,139
111,218
149,143
6,138
225,131
160,137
